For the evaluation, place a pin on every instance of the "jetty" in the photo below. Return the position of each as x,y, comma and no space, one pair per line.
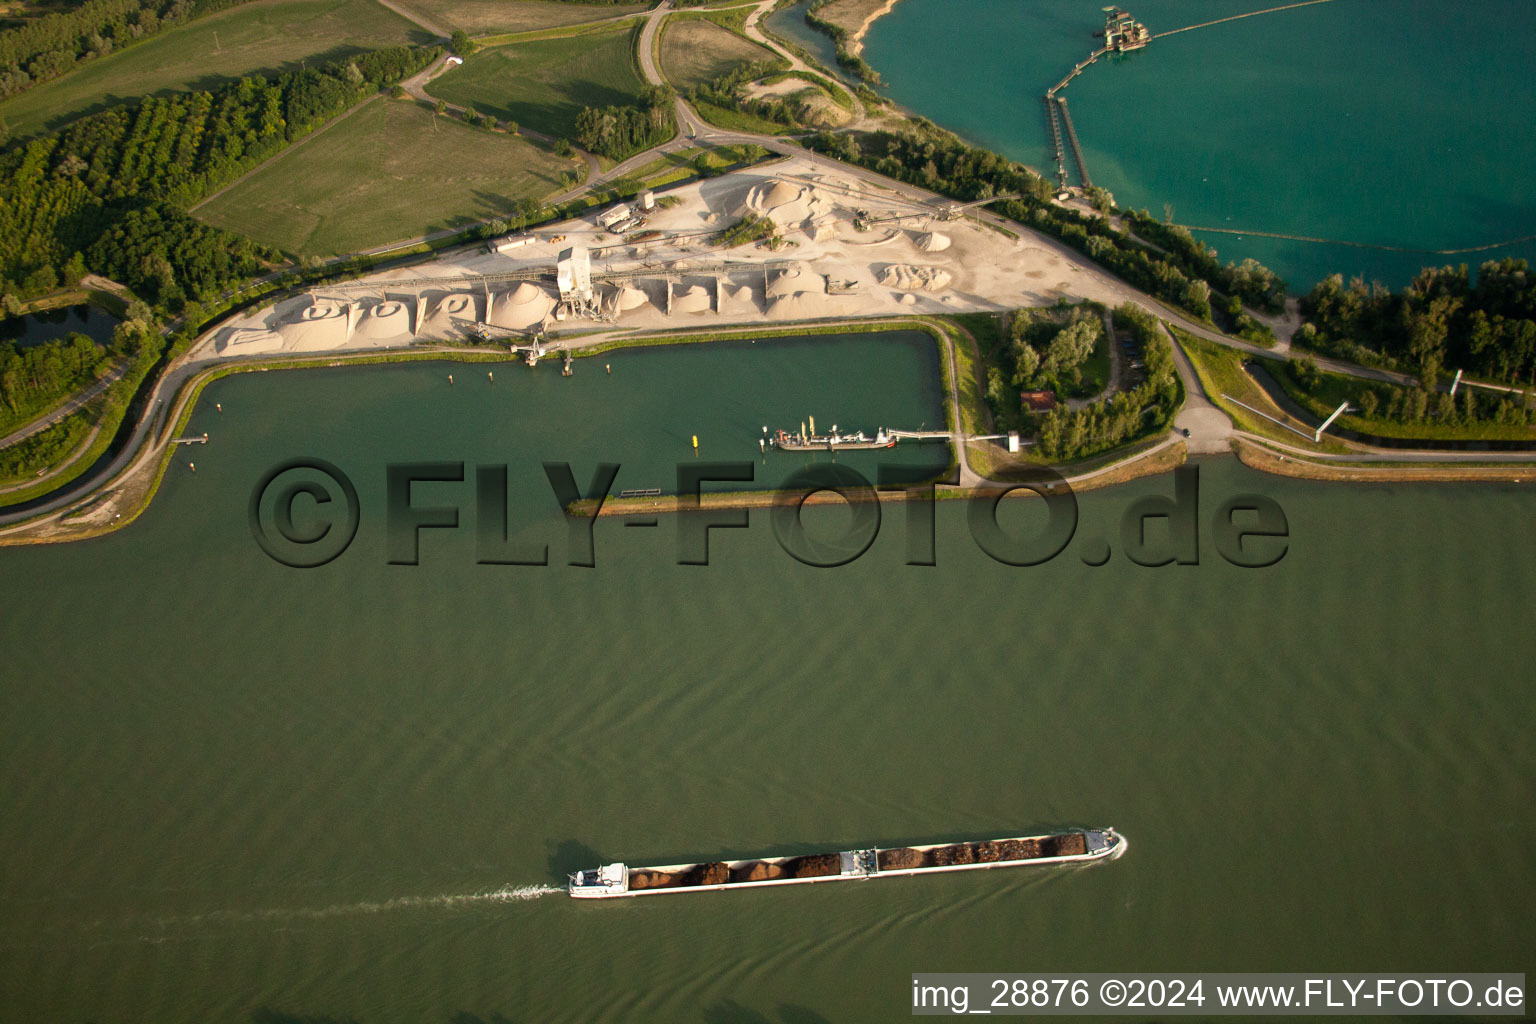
1122,34
1077,149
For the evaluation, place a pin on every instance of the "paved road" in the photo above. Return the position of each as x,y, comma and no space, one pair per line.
69,408
1210,430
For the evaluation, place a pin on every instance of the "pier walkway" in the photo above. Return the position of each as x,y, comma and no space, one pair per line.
1077,150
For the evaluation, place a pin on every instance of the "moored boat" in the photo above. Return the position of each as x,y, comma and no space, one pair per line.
1070,847
832,442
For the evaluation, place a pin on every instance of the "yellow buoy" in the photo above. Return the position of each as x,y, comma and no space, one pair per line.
695,440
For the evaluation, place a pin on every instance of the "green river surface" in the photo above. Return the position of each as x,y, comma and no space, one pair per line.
1405,123
235,791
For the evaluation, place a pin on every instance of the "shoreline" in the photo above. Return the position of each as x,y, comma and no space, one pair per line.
856,40
128,494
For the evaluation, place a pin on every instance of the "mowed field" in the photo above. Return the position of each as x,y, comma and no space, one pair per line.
485,17
391,171
544,84
695,52
261,37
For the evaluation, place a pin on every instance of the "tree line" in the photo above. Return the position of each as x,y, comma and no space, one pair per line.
33,377
620,132
1044,351
939,161
1126,416
108,191
43,48
1439,321
1379,402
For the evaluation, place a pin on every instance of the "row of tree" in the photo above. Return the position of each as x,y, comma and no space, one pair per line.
107,191
46,47
940,161
1375,400
1250,281
1440,321
35,376
1068,434
619,132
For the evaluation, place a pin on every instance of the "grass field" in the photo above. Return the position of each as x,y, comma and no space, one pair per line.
1220,370
261,37
544,84
695,52
390,171
482,17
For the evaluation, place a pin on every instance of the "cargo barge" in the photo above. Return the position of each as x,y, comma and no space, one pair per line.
833,442
1072,847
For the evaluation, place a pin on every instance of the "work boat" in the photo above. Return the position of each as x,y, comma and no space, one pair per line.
1076,846
832,442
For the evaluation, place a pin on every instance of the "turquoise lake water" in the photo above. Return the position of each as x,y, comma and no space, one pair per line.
1403,124
240,792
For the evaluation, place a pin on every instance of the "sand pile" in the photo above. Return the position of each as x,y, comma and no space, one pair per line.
800,306
629,297
523,307
740,298
907,278
771,195
249,341
796,278
933,242
438,323
320,326
439,320
823,231
385,322
785,204
695,300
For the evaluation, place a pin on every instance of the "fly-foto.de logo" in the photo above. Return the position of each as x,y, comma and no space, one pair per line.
305,513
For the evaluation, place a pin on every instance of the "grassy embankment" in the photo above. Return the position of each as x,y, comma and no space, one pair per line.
544,84
1330,389
391,171
673,168
264,37
1220,370
487,17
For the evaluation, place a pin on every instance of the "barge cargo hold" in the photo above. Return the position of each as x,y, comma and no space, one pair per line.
1072,847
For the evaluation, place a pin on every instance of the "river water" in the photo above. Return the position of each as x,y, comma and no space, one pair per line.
236,791
1406,124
